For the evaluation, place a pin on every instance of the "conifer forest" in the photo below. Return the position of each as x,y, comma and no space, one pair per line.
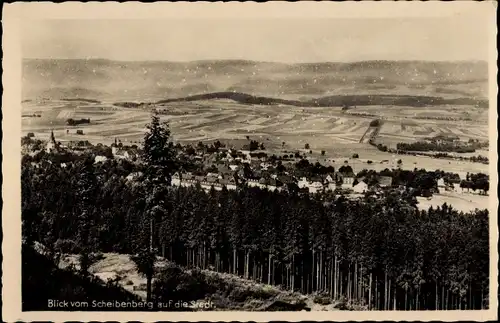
379,251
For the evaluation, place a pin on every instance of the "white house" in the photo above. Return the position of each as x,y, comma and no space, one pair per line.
234,167
315,187
99,159
255,183
329,179
441,183
360,187
303,182
332,186
347,180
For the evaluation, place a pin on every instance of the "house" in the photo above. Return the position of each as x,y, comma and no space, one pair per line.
234,167
347,179
360,187
228,183
100,159
331,186
441,183
190,178
329,178
265,166
317,178
315,186
130,153
212,180
200,179
303,182
241,173
254,182
385,181
272,184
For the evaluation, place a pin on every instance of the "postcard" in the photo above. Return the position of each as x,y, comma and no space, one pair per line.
250,161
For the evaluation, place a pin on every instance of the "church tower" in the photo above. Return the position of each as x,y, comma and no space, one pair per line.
52,145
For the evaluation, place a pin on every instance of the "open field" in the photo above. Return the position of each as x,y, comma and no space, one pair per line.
323,128
462,201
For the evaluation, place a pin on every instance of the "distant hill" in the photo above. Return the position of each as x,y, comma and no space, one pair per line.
155,80
337,100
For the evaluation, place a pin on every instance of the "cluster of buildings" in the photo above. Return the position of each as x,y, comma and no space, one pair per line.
272,182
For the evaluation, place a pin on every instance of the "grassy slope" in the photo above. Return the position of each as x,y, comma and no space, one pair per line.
225,291
42,281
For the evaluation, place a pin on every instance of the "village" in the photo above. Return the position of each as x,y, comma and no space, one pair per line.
217,166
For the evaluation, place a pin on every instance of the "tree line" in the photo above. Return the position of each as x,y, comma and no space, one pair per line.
434,146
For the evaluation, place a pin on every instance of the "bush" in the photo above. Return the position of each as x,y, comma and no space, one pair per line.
322,300
177,284
97,256
369,162
239,294
264,293
67,246
341,304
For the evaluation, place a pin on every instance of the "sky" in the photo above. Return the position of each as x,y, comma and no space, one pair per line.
288,40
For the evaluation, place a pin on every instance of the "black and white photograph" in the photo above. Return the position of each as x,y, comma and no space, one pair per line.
257,164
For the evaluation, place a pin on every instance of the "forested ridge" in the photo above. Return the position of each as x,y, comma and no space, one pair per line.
380,252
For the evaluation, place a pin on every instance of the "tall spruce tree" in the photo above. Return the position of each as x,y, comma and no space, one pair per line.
159,160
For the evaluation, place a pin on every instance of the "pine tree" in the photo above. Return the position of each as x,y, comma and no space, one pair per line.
158,156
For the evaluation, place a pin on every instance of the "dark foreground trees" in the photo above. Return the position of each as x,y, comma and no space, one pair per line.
382,253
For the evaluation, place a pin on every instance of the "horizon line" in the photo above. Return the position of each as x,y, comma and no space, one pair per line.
256,61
